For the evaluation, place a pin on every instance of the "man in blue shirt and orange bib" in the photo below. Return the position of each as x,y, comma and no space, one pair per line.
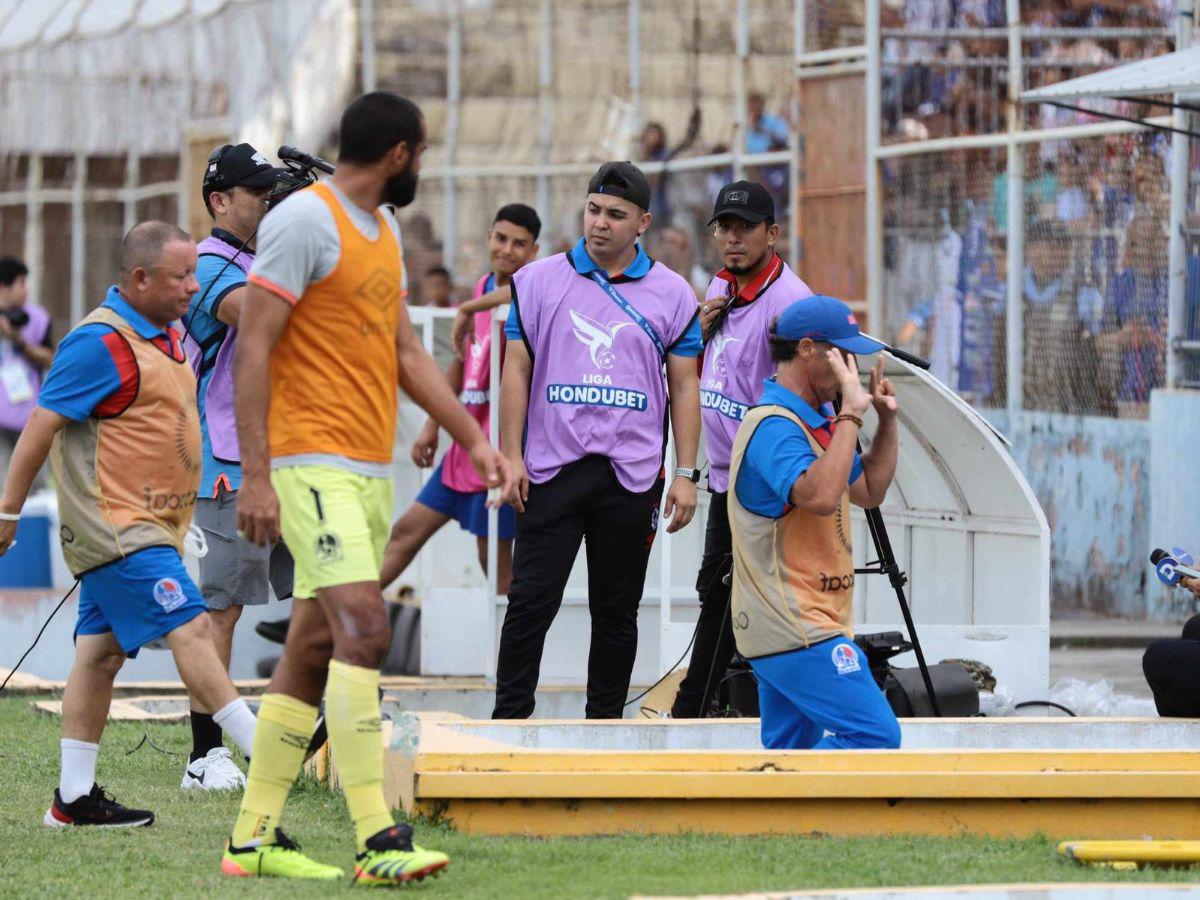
794,471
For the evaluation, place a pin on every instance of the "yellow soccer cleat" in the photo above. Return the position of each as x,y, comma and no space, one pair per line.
392,858
281,859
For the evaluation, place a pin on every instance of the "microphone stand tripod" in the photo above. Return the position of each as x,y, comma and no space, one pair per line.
885,562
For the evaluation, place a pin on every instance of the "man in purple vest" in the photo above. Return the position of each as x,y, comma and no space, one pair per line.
601,350
744,298
26,349
235,572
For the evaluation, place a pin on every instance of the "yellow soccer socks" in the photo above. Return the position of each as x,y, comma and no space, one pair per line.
352,716
285,725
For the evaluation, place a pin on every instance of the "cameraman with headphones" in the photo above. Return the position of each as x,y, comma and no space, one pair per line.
235,572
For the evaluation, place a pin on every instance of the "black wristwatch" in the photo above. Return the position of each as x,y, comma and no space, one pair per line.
692,475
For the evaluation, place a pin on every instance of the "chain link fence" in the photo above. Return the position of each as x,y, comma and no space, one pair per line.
1093,283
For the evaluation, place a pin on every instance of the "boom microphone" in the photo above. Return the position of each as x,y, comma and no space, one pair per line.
305,159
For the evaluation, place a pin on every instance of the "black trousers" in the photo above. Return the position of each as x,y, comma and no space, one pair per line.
713,648
583,503
1172,669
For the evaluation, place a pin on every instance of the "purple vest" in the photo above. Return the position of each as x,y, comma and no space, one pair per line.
219,419
598,381
14,413
736,361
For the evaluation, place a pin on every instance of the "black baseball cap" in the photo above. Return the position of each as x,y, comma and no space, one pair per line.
621,179
237,165
748,200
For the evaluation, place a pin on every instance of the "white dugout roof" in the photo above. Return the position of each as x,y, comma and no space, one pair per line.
1173,73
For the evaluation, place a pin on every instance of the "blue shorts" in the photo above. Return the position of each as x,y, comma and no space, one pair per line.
139,598
469,509
826,687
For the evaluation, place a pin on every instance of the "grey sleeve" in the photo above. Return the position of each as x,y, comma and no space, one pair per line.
395,226
297,245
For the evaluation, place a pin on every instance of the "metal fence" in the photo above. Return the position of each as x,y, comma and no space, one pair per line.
1023,249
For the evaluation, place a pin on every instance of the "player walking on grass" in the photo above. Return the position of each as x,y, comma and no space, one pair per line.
324,341
118,415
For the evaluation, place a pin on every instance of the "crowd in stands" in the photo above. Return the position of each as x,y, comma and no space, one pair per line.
1096,210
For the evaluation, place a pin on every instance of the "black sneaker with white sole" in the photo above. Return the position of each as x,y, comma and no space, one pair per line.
97,808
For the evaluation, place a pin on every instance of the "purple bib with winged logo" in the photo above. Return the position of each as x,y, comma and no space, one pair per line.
598,384
219,420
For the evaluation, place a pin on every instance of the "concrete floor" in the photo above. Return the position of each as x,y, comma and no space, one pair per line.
1121,666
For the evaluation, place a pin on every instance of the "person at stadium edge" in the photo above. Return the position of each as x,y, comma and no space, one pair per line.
26,349
235,572
793,472
117,413
454,490
324,341
590,333
753,290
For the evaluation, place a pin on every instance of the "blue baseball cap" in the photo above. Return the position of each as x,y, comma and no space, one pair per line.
827,319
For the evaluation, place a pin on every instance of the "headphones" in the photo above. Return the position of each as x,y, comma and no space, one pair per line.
213,180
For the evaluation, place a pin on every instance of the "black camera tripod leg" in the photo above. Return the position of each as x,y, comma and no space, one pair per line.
887,563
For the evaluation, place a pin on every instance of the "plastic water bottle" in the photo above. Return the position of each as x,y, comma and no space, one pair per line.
406,735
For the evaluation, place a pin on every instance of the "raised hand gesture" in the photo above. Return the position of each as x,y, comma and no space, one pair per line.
883,395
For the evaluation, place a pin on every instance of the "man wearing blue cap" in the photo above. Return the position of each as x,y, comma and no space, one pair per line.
793,473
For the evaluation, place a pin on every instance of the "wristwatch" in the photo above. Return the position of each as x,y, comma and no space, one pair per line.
692,475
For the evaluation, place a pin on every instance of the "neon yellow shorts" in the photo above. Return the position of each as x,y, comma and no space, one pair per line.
335,522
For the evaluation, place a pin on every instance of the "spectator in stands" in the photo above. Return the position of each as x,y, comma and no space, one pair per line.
1040,190
26,349
763,132
673,247
1061,366
437,288
654,149
1136,317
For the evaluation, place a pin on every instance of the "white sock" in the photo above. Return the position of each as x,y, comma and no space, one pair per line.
237,721
78,772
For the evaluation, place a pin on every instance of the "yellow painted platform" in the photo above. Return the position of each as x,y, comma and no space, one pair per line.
490,787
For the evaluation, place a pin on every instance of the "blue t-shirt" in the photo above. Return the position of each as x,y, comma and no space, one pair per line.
217,278
779,453
94,371
690,343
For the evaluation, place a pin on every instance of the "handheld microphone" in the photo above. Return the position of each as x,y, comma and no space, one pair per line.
1171,569
305,159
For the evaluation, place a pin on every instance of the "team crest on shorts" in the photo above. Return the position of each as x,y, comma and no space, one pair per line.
328,547
168,592
845,657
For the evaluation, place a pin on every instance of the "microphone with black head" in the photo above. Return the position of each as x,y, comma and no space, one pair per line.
1171,568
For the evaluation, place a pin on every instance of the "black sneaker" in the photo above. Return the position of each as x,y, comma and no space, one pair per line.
97,808
276,631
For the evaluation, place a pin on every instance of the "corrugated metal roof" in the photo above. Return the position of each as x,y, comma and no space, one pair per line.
1174,73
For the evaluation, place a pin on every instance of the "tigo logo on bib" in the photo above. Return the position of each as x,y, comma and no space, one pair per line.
845,657
169,594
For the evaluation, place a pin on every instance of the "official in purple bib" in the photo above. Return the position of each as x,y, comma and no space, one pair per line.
234,572
117,414
601,351
793,472
744,298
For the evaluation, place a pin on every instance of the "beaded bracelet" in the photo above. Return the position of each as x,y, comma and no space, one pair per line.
848,417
